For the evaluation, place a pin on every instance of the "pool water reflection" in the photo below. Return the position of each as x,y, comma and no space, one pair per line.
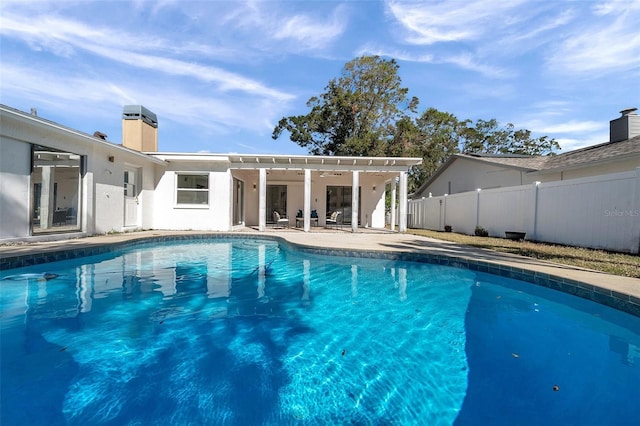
245,331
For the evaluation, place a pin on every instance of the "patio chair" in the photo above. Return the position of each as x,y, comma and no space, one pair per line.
335,219
280,221
300,218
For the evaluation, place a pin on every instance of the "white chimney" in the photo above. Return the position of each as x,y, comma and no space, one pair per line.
626,126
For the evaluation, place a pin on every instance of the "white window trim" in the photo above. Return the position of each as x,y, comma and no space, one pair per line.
176,205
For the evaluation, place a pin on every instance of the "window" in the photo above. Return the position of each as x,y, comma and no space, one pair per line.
57,182
129,184
192,189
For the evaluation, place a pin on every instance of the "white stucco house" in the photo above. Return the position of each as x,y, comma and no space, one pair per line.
57,182
470,171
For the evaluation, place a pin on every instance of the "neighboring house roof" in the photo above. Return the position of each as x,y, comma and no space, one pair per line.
591,154
525,162
541,164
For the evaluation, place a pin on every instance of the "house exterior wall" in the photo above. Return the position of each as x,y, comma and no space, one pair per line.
469,175
15,159
102,196
215,216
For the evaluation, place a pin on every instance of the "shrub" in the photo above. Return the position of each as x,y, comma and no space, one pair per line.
481,232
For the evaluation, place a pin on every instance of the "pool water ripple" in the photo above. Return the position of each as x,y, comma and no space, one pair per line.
244,331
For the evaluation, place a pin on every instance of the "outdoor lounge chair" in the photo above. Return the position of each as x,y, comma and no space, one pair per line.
334,219
280,221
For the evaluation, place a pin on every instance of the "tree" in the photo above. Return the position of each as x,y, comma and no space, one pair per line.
488,138
434,136
356,114
437,135
367,112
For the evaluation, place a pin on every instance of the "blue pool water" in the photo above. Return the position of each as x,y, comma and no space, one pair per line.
249,332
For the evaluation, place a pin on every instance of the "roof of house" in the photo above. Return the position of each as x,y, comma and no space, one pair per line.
526,162
538,163
595,153
95,138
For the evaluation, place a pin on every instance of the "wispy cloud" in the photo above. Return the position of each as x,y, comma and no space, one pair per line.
430,22
465,60
572,126
609,42
215,113
313,34
569,144
570,41
290,30
64,37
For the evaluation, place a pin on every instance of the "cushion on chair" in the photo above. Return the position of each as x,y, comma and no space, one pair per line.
314,213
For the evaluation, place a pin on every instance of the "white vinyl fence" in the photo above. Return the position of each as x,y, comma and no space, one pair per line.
598,212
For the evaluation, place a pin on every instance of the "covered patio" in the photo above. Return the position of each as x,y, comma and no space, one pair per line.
307,190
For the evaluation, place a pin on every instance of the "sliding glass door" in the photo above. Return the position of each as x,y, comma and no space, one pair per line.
339,199
276,201
238,202
56,190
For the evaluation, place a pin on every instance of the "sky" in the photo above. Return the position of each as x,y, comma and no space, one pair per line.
219,75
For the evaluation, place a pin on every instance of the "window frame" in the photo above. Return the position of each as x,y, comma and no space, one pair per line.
177,191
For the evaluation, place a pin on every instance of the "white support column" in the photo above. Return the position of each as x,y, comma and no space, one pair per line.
46,197
88,207
402,211
354,201
393,205
307,200
262,203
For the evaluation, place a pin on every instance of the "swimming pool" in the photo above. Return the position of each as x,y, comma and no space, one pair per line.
249,331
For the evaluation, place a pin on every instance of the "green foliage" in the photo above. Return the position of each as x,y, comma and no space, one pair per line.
481,232
367,112
488,137
356,113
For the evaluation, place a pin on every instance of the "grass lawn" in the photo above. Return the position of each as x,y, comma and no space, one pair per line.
627,265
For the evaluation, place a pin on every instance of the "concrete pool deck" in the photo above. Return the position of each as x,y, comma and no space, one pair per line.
623,288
